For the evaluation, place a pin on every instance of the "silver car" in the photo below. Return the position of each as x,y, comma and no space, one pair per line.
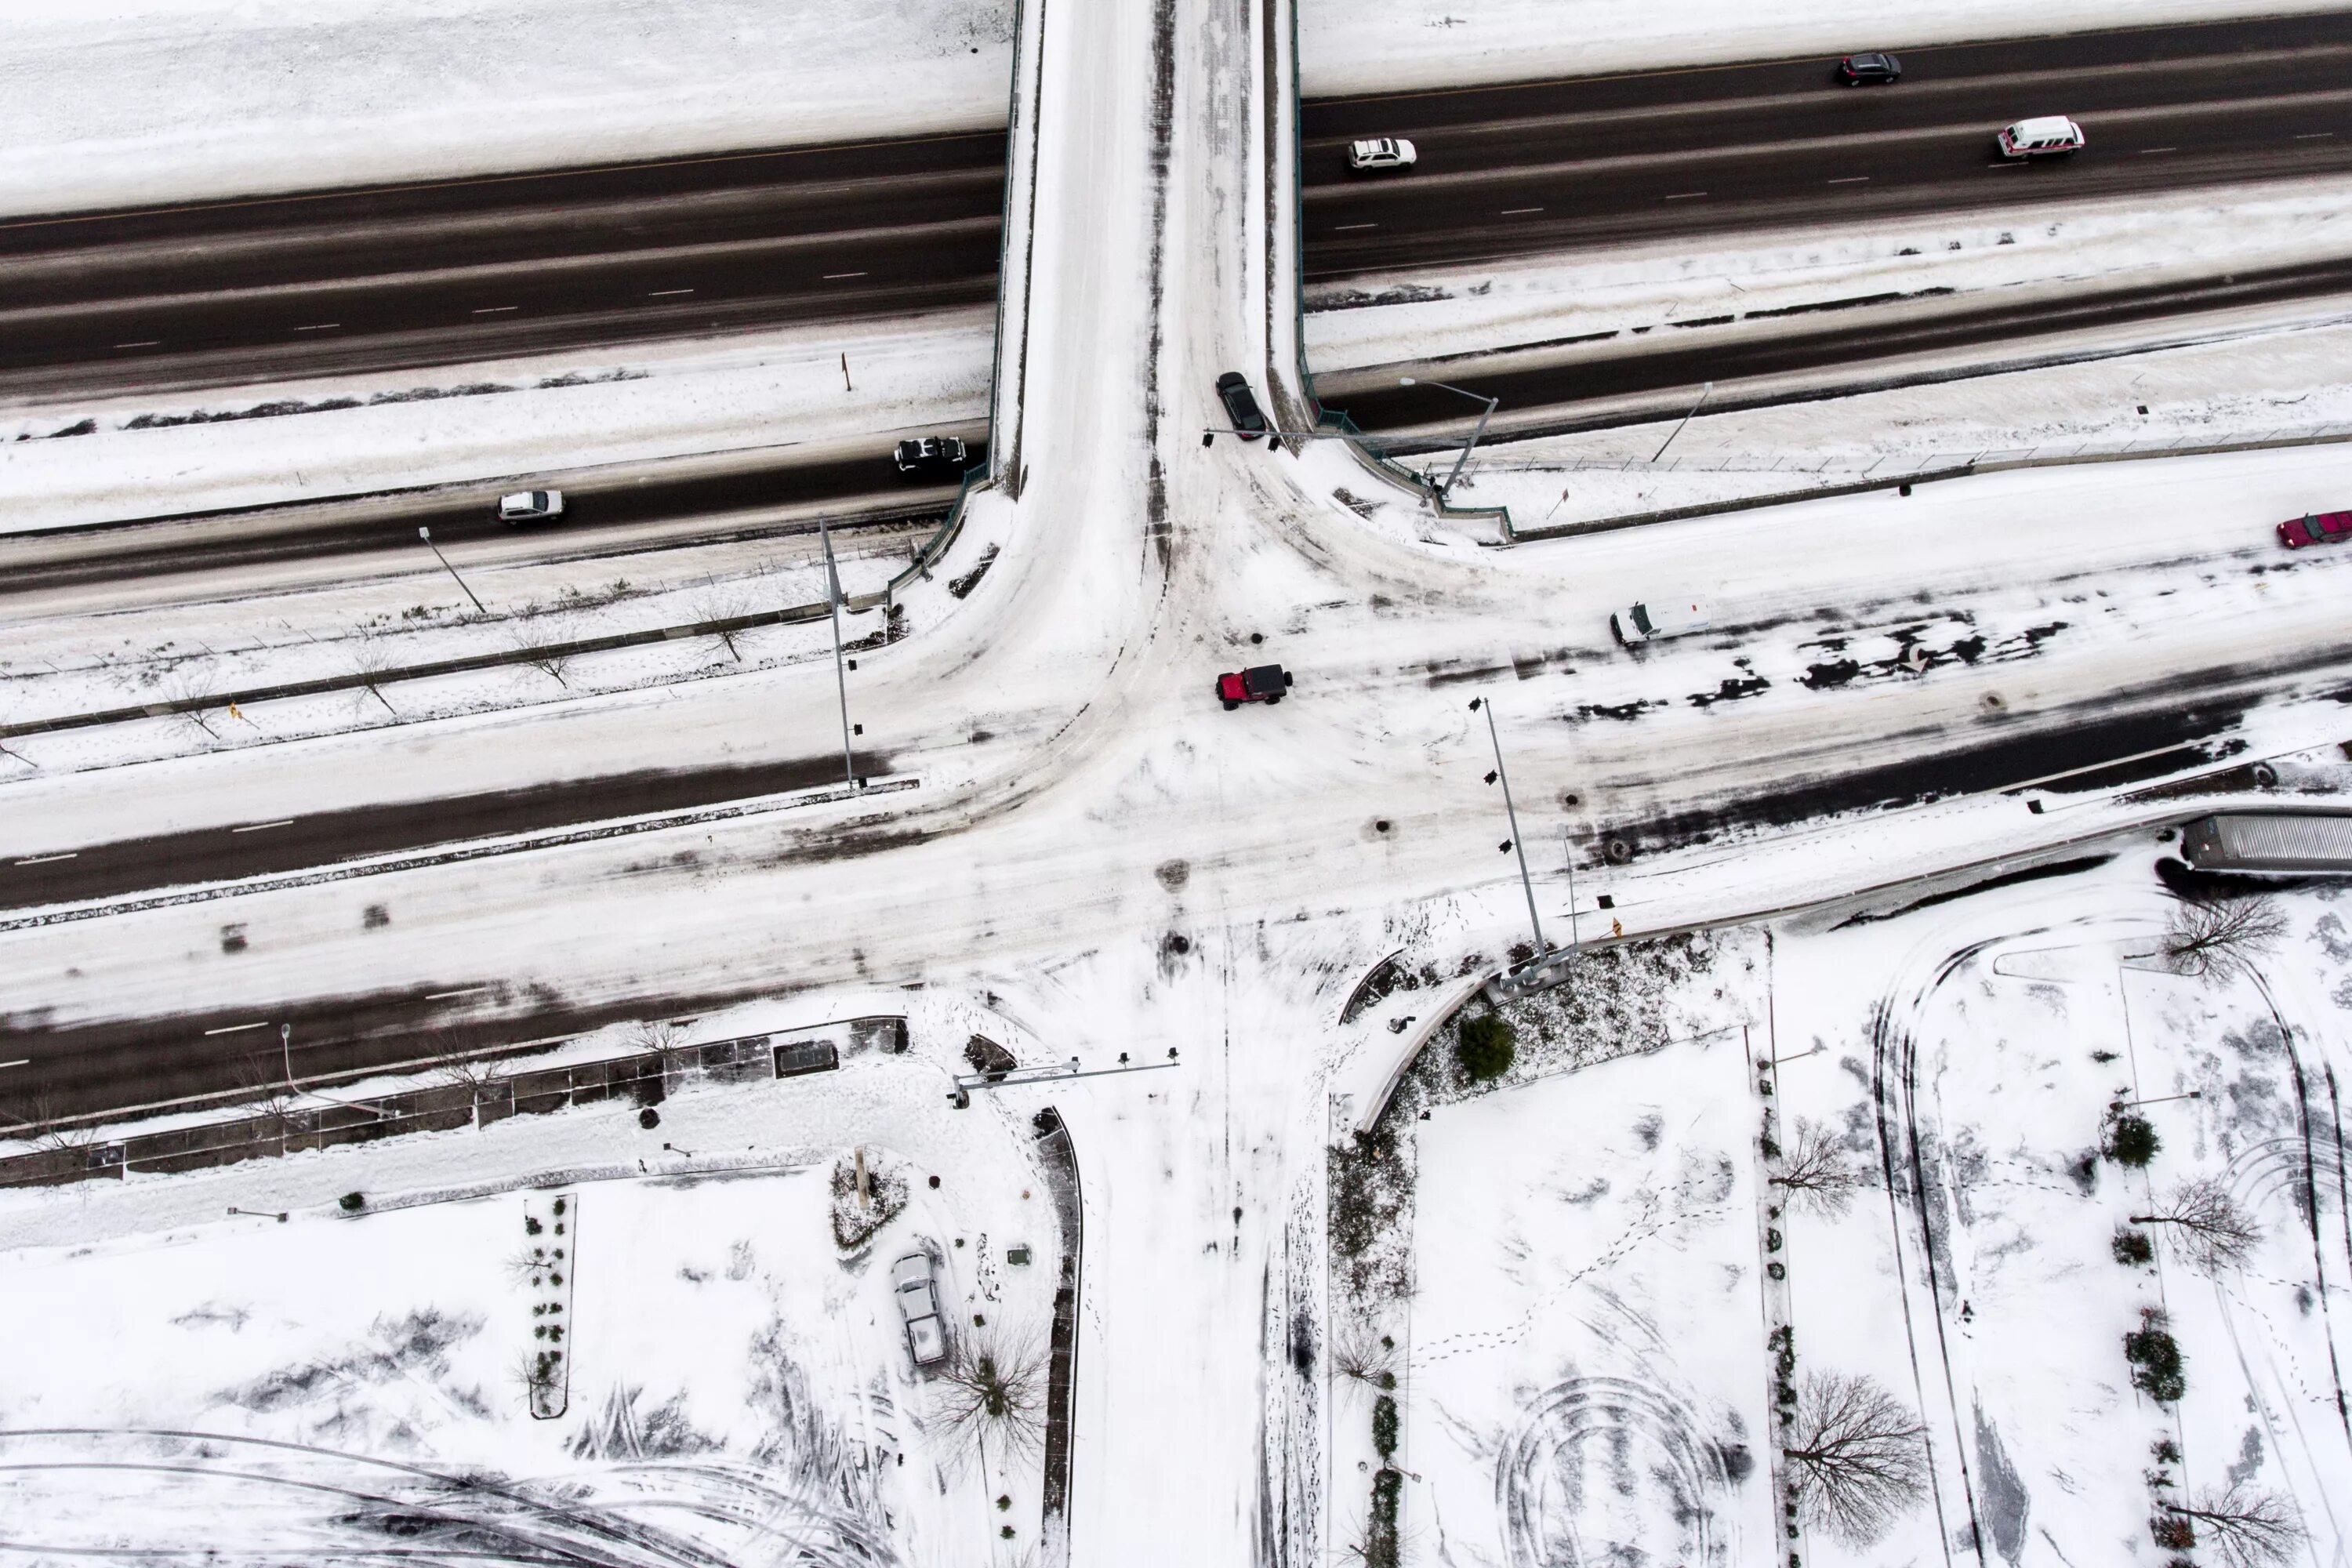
919,1305
1382,153
531,506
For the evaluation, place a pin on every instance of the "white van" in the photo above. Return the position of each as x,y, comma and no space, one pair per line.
2040,138
1648,622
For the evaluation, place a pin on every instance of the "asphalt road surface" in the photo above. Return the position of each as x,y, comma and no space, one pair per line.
1567,165
609,507
463,270
236,292
1622,376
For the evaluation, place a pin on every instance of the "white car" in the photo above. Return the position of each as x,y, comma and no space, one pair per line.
1652,620
530,506
2040,138
1382,153
919,1305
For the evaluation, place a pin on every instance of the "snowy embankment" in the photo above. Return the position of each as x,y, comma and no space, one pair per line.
131,102
140,457
2231,377
1397,45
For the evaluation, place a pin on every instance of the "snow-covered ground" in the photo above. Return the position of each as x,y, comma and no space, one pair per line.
1595,1261
131,458
736,1374
127,102
1347,46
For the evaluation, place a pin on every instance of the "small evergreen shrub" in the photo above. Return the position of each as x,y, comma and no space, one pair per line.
1384,1427
2157,1370
352,1203
1484,1046
2133,1246
2132,1141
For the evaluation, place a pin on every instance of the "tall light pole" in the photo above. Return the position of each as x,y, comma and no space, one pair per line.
1446,490
840,679
427,534
1511,812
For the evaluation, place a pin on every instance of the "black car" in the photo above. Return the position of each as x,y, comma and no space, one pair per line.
931,454
1860,70
1240,405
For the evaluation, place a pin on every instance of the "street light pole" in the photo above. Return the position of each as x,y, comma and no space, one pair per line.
1525,882
427,534
1446,492
840,679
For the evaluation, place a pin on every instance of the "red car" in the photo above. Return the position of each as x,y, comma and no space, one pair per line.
1266,683
2315,528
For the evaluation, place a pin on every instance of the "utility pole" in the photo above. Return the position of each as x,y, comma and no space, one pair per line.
840,678
1446,490
1704,392
427,534
1525,882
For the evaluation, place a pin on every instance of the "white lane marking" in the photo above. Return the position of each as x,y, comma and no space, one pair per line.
142,343
445,996
321,327
19,1062
664,293
1686,196
2007,163
1342,228
495,309
263,826
236,1029
2313,135
1852,180
45,860
2146,151
1515,212
832,277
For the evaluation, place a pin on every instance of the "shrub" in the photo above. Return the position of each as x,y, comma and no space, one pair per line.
2172,1532
2157,1370
530,1225
2132,1247
2132,1141
1384,1427
352,1203
1484,1046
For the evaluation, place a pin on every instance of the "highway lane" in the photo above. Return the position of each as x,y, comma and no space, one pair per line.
238,292
1620,377
460,271
635,505
1580,164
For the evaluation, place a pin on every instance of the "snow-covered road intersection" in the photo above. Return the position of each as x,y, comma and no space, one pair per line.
1120,865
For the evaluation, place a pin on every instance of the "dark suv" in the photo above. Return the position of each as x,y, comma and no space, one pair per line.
931,454
1240,405
1860,70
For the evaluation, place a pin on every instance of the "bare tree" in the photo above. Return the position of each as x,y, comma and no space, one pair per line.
1815,1170
190,693
1856,1459
717,606
2222,938
2208,1228
666,1043
994,1399
40,1119
539,1374
1360,1357
480,1077
371,661
2248,1527
266,1095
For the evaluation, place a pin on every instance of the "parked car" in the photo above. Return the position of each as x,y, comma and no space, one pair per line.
1264,683
1240,405
1876,67
2048,136
2315,528
919,1306
1382,153
931,454
531,506
1647,622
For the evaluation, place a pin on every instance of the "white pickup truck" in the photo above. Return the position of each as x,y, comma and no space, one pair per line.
919,1305
1647,622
